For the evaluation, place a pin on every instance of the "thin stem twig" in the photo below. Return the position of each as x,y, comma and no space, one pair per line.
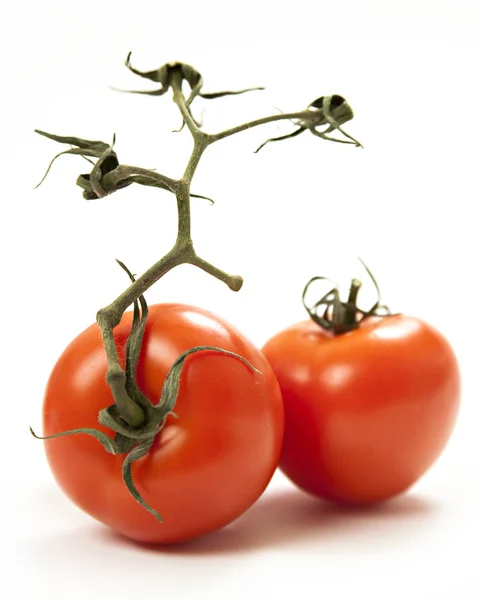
180,100
182,252
234,282
304,115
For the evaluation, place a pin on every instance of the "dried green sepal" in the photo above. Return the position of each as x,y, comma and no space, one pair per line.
330,111
84,148
281,137
139,451
107,161
109,444
191,76
107,175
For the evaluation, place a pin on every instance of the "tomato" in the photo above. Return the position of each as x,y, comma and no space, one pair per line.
207,466
368,411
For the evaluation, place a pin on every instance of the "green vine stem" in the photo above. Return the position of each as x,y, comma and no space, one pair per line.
131,411
183,250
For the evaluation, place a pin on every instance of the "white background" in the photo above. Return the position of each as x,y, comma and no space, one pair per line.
408,204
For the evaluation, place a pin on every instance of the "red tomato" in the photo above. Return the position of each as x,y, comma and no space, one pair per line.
206,467
368,411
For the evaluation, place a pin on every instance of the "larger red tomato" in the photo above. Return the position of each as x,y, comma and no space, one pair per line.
206,467
368,411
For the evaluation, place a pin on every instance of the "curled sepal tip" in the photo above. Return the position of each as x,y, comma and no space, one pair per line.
170,389
104,439
136,453
213,95
281,137
336,111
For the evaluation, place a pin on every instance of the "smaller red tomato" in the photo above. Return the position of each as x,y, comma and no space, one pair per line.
367,411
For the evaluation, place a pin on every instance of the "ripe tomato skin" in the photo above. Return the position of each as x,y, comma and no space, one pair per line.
367,412
206,467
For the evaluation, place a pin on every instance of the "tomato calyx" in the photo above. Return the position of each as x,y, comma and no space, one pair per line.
183,72
172,75
136,442
108,175
331,111
332,314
